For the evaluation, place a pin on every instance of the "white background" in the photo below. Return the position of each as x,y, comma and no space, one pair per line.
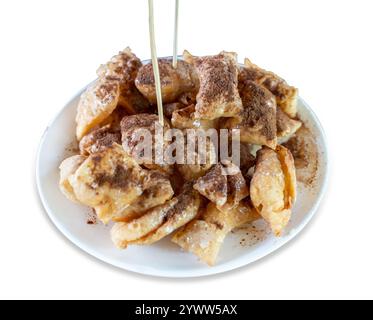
51,49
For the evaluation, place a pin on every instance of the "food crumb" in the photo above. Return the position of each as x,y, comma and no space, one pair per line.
253,233
71,149
91,217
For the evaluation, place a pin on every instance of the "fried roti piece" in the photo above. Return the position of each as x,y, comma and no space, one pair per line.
170,108
132,129
125,233
286,127
201,160
247,160
273,187
67,168
218,94
159,222
188,98
98,140
214,185
247,151
157,190
303,147
286,96
123,69
205,236
174,82
201,238
183,212
257,122
108,181
134,102
185,119
113,121
96,104
177,182
224,185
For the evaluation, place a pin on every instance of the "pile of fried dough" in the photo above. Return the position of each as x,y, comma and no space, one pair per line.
198,204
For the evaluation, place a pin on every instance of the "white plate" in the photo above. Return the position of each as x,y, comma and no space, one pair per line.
164,258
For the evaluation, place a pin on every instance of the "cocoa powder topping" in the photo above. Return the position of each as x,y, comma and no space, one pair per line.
218,77
119,179
259,109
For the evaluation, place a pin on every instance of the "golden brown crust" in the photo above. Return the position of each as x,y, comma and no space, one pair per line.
134,102
205,236
185,119
158,222
223,185
174,82
98,140
273,187
218,94
96,104
286,96
214,185
124,233
122,68
201,238
247,160
113,121
157,190
288,168
286,127
184,211
108,181
257,121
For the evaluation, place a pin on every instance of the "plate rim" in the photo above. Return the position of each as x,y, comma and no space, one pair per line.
235,264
